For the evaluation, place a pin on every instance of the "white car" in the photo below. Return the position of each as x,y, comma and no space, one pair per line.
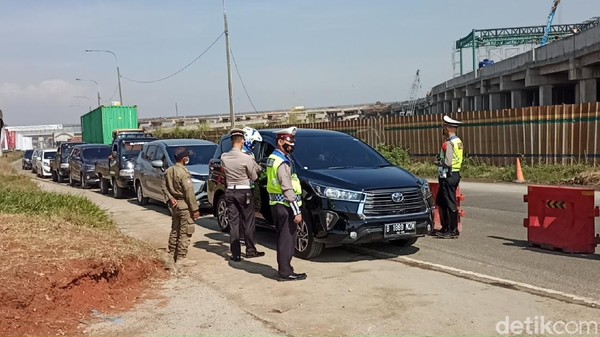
43,164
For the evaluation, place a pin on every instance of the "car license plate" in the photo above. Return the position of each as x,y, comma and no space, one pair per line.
393,229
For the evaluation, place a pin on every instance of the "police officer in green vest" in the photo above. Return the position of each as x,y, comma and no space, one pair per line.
449,163
285,199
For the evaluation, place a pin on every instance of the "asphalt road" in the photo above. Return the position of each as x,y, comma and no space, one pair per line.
494,242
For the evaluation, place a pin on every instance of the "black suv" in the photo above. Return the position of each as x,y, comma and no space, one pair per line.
351,193
59,166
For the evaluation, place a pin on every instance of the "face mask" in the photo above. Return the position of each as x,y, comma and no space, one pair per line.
288,148
186,161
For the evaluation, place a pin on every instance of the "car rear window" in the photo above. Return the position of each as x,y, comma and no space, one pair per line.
49,155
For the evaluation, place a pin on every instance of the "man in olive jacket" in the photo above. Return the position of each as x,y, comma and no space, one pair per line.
178,190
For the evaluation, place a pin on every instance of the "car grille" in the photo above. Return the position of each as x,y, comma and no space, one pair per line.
380,203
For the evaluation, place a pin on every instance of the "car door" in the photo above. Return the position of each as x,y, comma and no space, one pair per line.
157,174
143,166
262,151
148,171
74,166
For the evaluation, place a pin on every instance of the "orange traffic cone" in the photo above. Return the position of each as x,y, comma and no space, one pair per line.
520,179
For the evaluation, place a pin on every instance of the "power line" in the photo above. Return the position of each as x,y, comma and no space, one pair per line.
241,80
180,70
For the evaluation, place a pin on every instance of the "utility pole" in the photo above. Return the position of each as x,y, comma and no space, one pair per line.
176,110
231,113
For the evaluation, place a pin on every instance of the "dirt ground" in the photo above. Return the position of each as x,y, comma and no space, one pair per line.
52,287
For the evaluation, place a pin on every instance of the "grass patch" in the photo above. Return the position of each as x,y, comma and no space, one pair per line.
12,156
20,195
476,170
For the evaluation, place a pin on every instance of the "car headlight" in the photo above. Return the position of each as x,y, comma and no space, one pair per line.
198,185
425,190
337,193
126,172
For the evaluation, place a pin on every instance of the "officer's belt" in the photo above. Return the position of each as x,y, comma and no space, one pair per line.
238,187
282,198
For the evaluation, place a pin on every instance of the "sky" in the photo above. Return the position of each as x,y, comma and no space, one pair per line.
311,53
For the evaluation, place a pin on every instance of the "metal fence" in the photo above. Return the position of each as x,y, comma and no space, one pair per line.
562,134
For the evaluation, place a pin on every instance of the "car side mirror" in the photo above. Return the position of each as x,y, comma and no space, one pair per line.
157,164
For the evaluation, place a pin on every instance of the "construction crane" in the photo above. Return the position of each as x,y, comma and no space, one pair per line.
549,24
414,94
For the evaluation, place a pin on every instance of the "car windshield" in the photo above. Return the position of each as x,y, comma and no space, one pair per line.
66,150
49,155
95,153
318,153
131,149
201,154
28,154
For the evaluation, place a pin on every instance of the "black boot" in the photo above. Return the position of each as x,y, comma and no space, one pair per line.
453,228
444,220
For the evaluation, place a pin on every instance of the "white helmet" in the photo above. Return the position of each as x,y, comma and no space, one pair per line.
251,135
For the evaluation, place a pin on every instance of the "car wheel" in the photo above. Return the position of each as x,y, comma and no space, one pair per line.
139,193
54,176
117,191
103,185
404,242
71,181
306,247
222,214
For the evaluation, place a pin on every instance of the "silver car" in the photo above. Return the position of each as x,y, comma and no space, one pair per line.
156,156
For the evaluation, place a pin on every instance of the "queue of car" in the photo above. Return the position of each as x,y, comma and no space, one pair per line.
351,193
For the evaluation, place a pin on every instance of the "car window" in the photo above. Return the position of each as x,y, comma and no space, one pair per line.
224,146
150,152
131,148
74,153
335,152
49,155
95,153
264,151
159,154
200,154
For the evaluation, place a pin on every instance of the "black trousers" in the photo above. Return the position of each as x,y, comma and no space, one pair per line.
241,219
446,201
287,231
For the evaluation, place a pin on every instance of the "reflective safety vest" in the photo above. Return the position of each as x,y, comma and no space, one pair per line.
276,196
457,158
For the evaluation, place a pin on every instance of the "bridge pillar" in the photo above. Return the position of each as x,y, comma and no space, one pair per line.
479,103
545,95
455,105
516,99
495,101
586,91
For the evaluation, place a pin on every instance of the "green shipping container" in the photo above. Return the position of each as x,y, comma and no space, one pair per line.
97,125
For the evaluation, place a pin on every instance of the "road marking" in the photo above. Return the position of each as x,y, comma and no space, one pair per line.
483,278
